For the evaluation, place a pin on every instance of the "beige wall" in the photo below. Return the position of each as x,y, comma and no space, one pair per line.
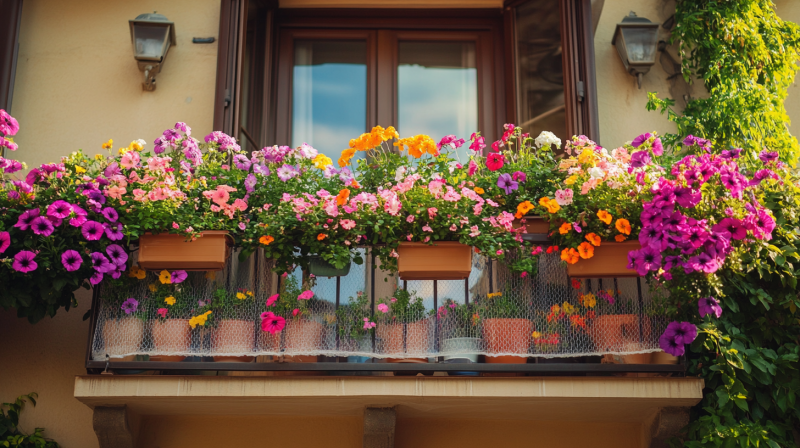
78,85
790,10
45,358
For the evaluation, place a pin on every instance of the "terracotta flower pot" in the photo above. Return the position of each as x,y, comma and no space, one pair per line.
533,224
609,260
303,335
231,338
268,342
123,336
169,251
391,338
171,336
619,333
444,260
507,336
417,337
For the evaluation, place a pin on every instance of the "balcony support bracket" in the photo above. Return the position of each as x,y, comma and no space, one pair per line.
112,428
666,424
379,426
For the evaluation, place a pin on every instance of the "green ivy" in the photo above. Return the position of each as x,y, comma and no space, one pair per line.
746,56
11,436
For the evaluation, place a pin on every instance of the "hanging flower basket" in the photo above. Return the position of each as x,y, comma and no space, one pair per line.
445,260
169,251
609,260
321,268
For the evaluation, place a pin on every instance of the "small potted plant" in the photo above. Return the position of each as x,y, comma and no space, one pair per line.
404,327
169,315
290,312
460,331
356,327
233,335
506,332
124,323
619,326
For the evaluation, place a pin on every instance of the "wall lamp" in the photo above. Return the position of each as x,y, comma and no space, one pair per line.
151,35
636,39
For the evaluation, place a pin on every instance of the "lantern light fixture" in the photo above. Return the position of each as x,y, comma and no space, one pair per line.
636,39
151,35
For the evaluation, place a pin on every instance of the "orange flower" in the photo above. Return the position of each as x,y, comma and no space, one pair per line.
390,133
479,190
586,251
418,145
552,206
570,255
604,216
623,226
565,228
354,183
347,154
620,238
523,208
343,196
321,236
593,238
266,240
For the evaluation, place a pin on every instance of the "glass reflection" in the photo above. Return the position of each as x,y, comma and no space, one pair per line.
437,90
329,94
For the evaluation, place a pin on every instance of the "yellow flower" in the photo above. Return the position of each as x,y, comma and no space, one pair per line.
165,278
122,151
241,296
80,169
568,309
109,144
589,301
587,156
199,320
604,216
536,335
571,180
418,145
552,206
494,294
135,272
98,157
250,293
135,145
152,287
170,300
321,161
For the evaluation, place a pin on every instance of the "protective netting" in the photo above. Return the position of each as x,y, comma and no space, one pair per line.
494,313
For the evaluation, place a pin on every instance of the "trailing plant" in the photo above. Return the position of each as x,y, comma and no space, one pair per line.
10,434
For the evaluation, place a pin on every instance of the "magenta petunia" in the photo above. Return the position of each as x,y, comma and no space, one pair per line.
709,305
130,306
178,276
8,124
59,209
71,260
101,264
92,230
117,254
96,278
110,214
25,219
113,231
42,226
5,241
271,323
23,262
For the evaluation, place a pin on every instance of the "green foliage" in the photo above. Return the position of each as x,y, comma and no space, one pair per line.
403,307
10,434
747,58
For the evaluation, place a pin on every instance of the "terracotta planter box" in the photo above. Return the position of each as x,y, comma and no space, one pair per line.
123,336
391,338
507,336
444,260
416,339
619,333
232,337
171,336
303,335
168,251
533,224
609,260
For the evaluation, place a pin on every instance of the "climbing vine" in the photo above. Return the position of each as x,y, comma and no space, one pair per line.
10,434
748,356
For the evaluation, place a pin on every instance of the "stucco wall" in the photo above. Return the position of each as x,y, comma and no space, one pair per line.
78,85
790,10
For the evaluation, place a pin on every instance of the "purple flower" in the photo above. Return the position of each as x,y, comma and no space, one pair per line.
640,159
80,216
112,170
117,254
5,241
96,278
287,172
42,226
100,263
709,305
71,260
644,260
92,230
110,214
761,175
59,209
242,162
261,169
658,148
26,218
13,195
23,262
519,176
506,183
250,183
761,224
768,156
676,336
97,196
130,306
113,231
183,127
731,228
733,181
637,142
704,263
178,276
8,124
687,197
732,154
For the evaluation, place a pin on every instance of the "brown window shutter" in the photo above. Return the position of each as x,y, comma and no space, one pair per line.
10,16
232,20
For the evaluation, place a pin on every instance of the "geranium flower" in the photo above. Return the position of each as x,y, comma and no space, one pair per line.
546,139
178,276
383,308
271,323
506,183
593,238
42,226
709,305
564,197
495,161
165,277
130,305
92,230
604,216
23,262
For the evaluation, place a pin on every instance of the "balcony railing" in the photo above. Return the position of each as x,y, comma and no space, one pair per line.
568,326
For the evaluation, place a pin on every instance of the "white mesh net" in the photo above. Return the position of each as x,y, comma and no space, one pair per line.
494,313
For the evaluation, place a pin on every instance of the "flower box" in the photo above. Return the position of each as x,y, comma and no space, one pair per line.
169,251
533,225
609,260
444,260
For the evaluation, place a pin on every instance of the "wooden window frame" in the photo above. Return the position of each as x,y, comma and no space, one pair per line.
272,121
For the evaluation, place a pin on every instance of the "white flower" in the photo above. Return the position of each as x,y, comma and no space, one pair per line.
308,151
597,172
547,138
400,173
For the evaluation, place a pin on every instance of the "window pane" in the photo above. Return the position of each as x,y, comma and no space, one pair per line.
329,94
540,73
437,89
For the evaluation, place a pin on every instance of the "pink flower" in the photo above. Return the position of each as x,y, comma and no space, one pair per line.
220,196
295,312
394,254
331,209
474,231
272,323
564,197
348,224
305,295
523,275
115,192
175,225
393,299
410,218
162,312
383,308
576,227
393,205
272,299
432,212
536,251
473,167
240,205
427,228
453,228
499,252
242,226
368,324
130,160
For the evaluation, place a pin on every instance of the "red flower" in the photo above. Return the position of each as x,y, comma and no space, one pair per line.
495,161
